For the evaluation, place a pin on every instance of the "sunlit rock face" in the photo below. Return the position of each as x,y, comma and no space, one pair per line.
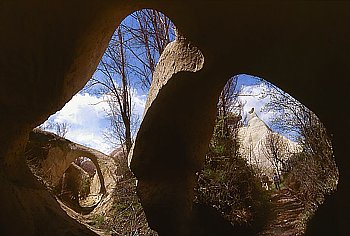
256,140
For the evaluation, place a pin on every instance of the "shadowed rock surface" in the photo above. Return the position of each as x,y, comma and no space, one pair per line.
49,50
168,202
52,155
52,160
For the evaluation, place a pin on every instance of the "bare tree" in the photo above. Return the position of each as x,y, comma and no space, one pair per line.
228,101
130,58
229,116
275,149
312,173
291,115
253,158
61,129
115,85
150,34
296,118
227,182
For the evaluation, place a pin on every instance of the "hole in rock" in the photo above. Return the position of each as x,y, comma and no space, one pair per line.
102,120
80,185
270,162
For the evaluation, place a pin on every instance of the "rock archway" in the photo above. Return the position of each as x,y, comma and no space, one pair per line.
50,49
53,157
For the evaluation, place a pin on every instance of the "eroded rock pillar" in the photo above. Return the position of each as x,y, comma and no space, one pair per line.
173,138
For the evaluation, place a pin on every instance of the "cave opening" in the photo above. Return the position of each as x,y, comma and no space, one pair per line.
54,64
80,185
270,163
105,116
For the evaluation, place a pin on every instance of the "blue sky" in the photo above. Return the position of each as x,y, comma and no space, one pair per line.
86,117
85,114
251,89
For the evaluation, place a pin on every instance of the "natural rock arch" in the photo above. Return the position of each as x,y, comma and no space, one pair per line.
49,50
54,155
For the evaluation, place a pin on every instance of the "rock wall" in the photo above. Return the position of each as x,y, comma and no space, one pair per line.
166,175
52,160
49,49
53,155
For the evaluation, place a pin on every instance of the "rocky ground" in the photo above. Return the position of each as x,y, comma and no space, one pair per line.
287,210
117,210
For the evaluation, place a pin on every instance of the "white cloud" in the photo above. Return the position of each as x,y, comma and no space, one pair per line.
85,114
139,101
82,110
258,100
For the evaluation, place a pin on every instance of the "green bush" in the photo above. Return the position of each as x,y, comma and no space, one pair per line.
98,220
232,188
229,184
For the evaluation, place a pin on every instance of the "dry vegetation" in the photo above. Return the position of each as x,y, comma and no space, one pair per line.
228,183
312,174
126,217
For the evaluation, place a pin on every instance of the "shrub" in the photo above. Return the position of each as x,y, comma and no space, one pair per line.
231,187
229,184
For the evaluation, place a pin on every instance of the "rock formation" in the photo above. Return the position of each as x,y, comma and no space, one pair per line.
71,187
53,155
168,203
63,166
87,165
254,145
49,50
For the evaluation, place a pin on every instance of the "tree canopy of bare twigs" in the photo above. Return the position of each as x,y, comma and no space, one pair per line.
61,129
128,64
295,117
274,149
149,34
313,173
229,109
290,114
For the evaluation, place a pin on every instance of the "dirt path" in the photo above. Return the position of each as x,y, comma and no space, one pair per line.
287,209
